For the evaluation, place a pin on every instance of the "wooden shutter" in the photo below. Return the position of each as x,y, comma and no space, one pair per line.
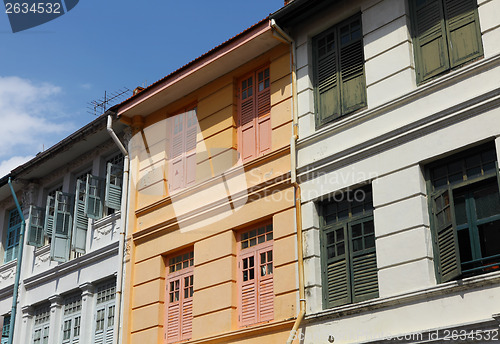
173,310
326,76
352,66
80,226
49,216
248,288
114,179
176,153
337,285
247,126
13,235
35,227
63,219
266,285
463,31
445,235
109,323
94,191
363,261
263,110
186,327
190,147
429,31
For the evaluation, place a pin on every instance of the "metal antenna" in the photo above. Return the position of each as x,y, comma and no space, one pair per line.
99,106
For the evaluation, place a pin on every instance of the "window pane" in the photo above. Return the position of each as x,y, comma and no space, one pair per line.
487,201
460,212
340,249
489,236
464,245
356,230
370,241
357,244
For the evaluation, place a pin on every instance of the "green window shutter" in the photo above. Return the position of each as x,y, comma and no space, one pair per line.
49,216
352,65
363,260
114,178
464,34
63,219
80,226
445,236
36,233
94,197
429,32
336,286
326,76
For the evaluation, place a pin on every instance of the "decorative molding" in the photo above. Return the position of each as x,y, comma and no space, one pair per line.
7,270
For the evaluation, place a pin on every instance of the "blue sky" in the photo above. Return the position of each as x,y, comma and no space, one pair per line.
50,73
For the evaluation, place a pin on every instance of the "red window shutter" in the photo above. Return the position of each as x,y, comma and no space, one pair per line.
263,110
248,290
173,311
247,126
187,307
266,285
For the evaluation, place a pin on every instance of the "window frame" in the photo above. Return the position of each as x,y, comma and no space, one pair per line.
105,304
340,107
262,308
13,232
344,265
41,325
72,309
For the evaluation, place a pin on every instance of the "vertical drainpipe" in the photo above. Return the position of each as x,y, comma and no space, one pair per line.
123,231
284,37
18,267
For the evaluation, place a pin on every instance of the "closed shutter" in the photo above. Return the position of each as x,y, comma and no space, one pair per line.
63,219
247,125
445,235
49,216
336,273
248,289
430,45
326,74
176,153
464,34
79,238
263,110
173,311
35,227
114,180
94,193
191,133
179,324
363,260
266,284
13,232
352,66
187,307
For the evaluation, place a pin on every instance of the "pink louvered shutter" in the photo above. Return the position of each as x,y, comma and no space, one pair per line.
266,285
173,311
191,132
187,307
263,111
247,123
176,153
248,289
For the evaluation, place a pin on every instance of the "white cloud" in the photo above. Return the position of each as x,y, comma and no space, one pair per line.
8,165
86,86
31,117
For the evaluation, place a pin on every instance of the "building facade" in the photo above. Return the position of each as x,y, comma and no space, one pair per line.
212,253
398,149
70,196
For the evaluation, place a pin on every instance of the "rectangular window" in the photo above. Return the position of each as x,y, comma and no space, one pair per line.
254,114
464,206
339,71
41,324
348,257
5,329
13,231
183,129
105,312
180,290
255,275
446,34
71,319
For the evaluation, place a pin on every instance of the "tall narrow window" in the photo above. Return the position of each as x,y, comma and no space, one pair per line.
72,319
13,231
348,257
5,329
179,303
182,167
254,114
446,34
105,312
339,71
255,275
464,206
41,324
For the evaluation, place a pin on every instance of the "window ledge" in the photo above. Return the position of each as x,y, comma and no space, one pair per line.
448,288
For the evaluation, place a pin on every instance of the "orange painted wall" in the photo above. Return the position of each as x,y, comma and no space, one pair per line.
162,224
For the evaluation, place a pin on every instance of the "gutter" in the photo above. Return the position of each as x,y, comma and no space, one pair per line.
123,230
285,38
18,267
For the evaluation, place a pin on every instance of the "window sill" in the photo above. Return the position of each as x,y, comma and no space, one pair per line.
469,283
